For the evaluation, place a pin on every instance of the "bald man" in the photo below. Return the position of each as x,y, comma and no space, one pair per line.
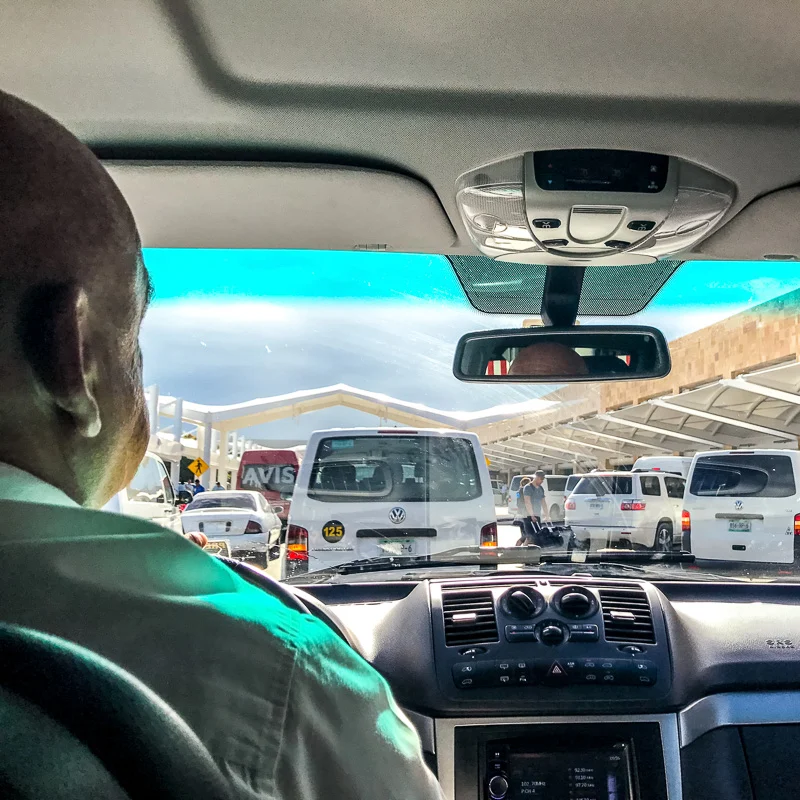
286,709
547,358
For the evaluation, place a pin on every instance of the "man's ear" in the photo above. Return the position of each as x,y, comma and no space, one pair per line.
57,343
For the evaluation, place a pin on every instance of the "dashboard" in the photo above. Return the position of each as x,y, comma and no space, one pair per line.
580,688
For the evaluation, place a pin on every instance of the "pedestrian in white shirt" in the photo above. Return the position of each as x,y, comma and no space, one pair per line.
286,709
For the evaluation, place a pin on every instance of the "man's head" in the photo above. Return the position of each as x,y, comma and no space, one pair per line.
547,358
538,477
73,291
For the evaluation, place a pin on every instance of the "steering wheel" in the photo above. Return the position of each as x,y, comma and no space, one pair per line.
294,598
76,725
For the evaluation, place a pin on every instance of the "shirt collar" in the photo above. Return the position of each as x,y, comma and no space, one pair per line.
21,486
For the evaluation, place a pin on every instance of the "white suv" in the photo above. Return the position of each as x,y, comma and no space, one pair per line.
633,509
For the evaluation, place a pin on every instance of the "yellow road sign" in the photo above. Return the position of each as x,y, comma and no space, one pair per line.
198,467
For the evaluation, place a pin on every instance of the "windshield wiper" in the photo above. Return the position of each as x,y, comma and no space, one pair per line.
494,557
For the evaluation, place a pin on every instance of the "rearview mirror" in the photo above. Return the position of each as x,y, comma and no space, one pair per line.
562,355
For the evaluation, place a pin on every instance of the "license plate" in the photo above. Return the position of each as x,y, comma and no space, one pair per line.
214,527
739,525
595,506
398,547
221,547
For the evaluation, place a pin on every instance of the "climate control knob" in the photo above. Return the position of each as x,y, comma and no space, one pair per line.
552,635
498,787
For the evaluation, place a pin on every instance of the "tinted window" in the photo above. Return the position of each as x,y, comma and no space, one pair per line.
394,469
675,486
515,481
743,476
604,484
209,500
572,482
650,485
556,484
147,485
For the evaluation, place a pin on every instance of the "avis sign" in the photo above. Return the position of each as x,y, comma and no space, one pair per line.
268,477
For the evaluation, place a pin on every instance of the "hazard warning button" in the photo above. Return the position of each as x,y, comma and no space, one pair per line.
556,674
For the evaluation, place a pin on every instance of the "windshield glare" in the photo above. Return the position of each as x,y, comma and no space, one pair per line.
323,382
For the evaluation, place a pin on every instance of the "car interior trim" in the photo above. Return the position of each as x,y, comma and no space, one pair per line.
730,709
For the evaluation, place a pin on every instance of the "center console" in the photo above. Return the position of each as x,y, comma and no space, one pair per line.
615,758
529,643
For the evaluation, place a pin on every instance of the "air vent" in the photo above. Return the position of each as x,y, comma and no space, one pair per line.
469,617
627,616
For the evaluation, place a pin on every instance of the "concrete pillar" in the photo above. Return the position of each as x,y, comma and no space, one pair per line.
207,435
234,438
152,409
177,420
175,471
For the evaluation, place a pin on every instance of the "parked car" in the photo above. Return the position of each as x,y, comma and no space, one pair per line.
742,506
150,495
628,509
365,492
237,523
679,465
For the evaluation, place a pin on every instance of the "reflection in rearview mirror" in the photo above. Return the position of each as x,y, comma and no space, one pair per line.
562,355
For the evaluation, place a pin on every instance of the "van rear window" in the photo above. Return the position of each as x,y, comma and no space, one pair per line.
556,484
604,484
743,476
395,469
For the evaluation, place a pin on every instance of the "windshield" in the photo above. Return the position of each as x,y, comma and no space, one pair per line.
346,360
214,500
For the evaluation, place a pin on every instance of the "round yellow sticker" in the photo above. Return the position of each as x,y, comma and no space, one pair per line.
332,531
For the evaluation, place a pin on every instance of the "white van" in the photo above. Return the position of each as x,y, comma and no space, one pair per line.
364,492
627,508
554,494
150,495
679,465
743,505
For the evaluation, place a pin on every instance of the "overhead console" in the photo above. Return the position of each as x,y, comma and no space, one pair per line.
585,206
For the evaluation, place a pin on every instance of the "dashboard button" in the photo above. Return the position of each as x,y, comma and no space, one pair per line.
641,225
583,633
556,675
472,674
547,223
520,633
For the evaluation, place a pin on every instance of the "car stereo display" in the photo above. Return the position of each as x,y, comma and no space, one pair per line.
600,171
591,774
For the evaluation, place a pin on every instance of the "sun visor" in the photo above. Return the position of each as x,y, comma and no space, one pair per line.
768,228
282,206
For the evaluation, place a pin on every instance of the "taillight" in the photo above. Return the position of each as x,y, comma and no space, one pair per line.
489,535
570,505
686,522
797,524
632,505
253,527
296,543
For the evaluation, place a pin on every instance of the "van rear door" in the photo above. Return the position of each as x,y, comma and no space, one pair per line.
742,507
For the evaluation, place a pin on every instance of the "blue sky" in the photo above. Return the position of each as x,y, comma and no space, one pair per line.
229,326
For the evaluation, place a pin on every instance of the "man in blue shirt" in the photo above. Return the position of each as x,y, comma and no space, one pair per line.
198,487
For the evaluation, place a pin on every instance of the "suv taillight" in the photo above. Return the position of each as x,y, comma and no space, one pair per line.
632,505
253,527
296,543
686,522
570,505
489,535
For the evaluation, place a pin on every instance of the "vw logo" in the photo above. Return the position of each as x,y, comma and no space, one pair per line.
397,515
738,505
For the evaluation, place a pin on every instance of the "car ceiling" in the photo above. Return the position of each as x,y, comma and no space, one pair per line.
426,90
